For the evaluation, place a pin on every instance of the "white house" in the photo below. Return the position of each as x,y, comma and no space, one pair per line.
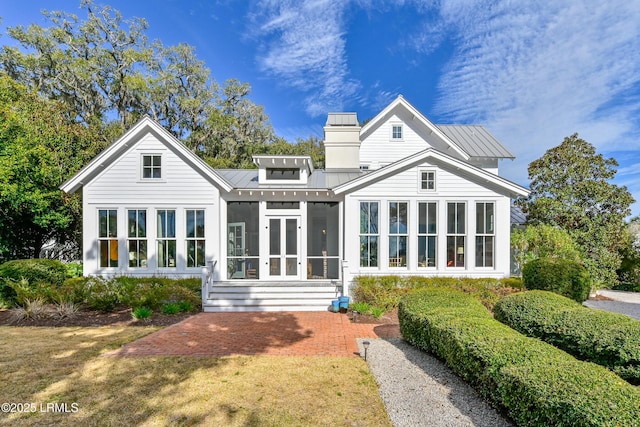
399,195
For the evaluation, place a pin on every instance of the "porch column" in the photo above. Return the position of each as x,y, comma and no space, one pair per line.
346,278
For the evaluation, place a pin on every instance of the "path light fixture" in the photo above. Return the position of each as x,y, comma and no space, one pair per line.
365,344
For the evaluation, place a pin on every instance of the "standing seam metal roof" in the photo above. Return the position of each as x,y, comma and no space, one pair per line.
319,179
476,141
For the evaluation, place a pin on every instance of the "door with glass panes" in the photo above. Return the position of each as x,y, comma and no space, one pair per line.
284,247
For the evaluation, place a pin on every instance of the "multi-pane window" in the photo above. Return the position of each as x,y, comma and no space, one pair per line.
195,238
166,237
369,234
397,234
456,219
427,234
396,132
485,234
137,237
108,237
151,166
428,180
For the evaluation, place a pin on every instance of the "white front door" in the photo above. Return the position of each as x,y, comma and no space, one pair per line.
284,247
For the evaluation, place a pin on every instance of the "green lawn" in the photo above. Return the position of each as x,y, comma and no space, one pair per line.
63,366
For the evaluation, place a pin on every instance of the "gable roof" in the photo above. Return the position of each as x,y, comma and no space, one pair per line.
129,139
511,188
402,103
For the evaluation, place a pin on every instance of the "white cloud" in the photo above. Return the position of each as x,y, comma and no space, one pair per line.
304,48
536,72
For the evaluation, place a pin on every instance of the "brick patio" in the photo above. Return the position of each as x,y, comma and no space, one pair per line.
270,333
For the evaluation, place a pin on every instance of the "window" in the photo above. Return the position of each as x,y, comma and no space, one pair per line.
137,234
195,238
396,132
368,234
397,234
485,234
108,237
151,166
166,237
428,180
456,213
427,234
283,174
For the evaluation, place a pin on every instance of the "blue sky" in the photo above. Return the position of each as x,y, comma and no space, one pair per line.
531,72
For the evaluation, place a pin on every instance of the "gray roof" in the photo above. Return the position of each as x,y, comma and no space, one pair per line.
319,179
342,119
476,141
517,216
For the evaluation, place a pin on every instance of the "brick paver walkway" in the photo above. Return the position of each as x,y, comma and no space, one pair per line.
276,334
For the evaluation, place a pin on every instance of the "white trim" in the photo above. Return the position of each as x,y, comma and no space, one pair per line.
130,138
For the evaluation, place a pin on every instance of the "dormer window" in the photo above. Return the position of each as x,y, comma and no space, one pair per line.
396,132
151,166
284,174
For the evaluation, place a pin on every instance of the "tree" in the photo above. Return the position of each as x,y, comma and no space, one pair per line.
39,149
570,189
104,66
543,241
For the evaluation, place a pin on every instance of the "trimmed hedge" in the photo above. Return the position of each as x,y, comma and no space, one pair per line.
385,291
36,272
562,276
608,339
535,383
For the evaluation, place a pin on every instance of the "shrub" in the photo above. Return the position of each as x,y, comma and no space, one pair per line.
534,382
385,291
186,306
608,339
564,277
361,307
34,271
171,309
101,294
140,313
74,269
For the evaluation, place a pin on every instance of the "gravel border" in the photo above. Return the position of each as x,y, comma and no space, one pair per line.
419,390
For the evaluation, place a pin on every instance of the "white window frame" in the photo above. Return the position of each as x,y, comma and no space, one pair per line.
421,180
195,239
107,238
427,234
395,260
166,239
368,234
152,167
483,235
134,237
460,251
393,136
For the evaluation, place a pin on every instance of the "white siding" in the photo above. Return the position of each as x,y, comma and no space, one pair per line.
379,148
403,187
121,187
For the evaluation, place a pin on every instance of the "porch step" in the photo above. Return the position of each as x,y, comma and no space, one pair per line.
265,297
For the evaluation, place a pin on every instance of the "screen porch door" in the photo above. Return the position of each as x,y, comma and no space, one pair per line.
284,247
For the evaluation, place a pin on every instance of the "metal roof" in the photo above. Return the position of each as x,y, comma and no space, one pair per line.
342,119
476,141
319,179
517,216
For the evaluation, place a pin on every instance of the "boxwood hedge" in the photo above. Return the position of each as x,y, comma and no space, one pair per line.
562,276
535,383
608,339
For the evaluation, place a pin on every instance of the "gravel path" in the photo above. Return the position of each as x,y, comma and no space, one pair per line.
628,308
419,390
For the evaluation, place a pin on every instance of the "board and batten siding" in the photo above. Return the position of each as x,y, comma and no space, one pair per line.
403,187
121,187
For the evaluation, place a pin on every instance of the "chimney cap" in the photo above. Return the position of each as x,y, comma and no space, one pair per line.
342,119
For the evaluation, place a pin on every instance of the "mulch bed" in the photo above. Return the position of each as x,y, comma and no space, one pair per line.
119,317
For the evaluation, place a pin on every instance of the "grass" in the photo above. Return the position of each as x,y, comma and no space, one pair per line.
63,365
